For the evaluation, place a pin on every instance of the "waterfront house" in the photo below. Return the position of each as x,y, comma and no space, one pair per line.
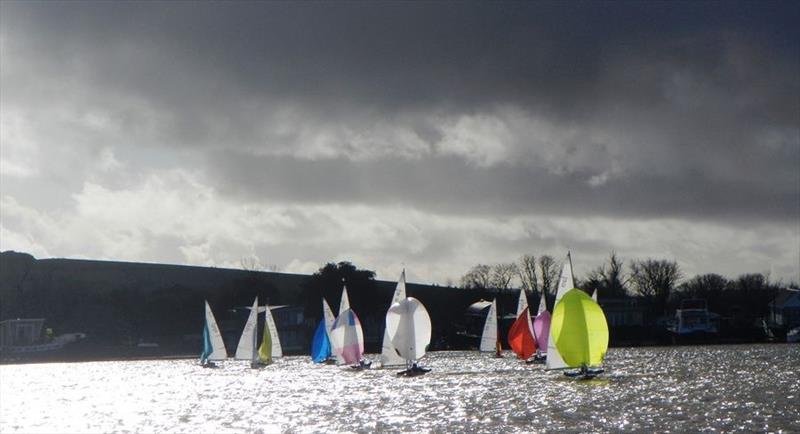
21,332
784,310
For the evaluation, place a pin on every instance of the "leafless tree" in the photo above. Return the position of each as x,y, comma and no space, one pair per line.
478,277
526,271
503,274
655,280
251,263
609,279
548,271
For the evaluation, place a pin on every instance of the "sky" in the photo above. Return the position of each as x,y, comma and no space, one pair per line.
431,136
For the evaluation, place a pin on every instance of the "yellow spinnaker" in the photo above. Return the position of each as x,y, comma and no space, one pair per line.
580,329
265,350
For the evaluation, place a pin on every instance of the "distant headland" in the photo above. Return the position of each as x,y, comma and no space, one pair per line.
129,310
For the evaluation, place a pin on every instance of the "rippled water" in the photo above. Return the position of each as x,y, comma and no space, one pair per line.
728,388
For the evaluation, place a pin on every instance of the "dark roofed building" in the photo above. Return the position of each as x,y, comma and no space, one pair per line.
785,308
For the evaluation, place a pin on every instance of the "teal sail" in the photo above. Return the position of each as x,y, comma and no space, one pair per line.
321,345
207,348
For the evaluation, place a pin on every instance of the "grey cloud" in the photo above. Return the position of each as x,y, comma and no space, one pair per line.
446,185
686,110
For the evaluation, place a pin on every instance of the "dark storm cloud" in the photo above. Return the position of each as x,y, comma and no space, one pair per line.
447,186
698,102
390,54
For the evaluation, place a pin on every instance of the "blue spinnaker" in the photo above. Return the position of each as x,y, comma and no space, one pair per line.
320,345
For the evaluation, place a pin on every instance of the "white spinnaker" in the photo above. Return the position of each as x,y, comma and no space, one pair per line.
215,336
565,283
344,303
489,336
347,336
273,334
409,327
246,348
389,356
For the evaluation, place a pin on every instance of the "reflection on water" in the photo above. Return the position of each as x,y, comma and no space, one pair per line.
728,388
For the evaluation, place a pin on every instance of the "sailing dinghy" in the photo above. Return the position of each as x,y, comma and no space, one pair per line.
489,339
213,346
389,356
578,329
321,350
347,340
565,282
270,347
409,327
541,330
248,342
580,332
520,335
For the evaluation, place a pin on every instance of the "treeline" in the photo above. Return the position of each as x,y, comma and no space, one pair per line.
659,283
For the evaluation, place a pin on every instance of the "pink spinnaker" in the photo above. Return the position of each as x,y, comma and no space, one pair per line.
541,330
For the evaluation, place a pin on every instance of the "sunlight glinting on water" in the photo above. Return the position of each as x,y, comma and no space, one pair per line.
729,388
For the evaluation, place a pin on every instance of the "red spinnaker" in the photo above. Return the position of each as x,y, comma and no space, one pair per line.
520,337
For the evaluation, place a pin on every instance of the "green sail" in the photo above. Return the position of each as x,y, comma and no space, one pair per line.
580,329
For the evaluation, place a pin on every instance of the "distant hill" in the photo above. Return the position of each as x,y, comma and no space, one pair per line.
123,302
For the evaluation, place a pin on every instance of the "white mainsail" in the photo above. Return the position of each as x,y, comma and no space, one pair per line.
565,282
409,327
273,333
246,350
594,295
389,356
522,302
327,313
489,336
344,303
218,345
542,304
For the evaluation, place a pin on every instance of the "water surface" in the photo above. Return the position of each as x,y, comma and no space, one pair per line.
673,389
